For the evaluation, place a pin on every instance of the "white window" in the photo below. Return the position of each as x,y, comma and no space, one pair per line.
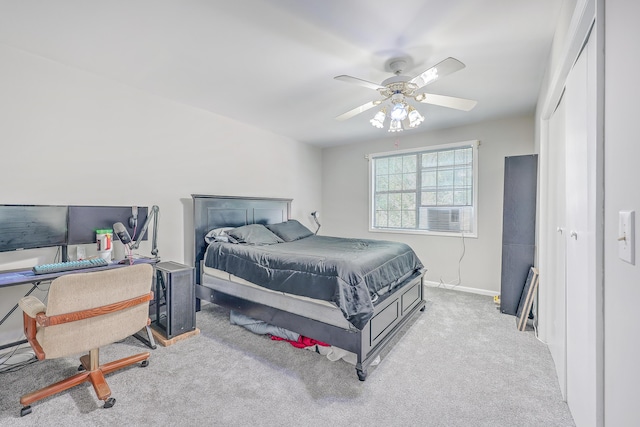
430,190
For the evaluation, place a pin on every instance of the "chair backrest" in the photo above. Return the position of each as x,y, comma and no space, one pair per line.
83,291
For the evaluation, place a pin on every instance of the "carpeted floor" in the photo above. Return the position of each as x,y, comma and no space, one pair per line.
460,363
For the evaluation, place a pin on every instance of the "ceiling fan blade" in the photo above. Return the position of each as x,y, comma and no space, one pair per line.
359,82
358,110
446,101
441,69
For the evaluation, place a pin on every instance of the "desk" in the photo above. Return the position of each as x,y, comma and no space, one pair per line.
21,277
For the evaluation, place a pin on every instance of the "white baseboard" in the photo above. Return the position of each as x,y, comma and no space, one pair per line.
460,288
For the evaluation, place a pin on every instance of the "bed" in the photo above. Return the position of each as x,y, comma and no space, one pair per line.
358,308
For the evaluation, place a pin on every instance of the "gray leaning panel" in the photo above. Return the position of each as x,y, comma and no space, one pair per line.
517,260
518,228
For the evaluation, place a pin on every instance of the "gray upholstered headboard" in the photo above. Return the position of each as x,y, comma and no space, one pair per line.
229,211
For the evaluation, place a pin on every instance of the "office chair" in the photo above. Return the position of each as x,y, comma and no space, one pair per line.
86,311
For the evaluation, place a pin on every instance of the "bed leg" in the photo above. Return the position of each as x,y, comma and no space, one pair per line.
362,374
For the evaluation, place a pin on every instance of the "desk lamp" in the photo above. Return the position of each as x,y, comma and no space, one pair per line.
315,215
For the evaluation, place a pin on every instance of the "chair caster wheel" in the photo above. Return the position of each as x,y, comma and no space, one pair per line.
362,374
109,403
144,364
25,411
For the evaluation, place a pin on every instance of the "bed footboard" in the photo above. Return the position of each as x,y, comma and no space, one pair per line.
389,318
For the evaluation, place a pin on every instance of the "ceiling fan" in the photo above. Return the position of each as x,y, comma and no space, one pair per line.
399,88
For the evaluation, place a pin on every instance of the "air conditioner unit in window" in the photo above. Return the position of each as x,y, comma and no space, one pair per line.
443,219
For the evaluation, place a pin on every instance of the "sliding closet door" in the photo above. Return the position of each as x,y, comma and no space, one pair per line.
581,235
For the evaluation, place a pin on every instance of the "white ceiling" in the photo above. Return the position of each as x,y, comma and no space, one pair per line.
271,63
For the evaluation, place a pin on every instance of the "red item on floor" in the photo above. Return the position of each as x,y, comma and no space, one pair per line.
302,342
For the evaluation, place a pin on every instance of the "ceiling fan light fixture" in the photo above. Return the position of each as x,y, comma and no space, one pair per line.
399,111
395,126
378,119
399,92
415,118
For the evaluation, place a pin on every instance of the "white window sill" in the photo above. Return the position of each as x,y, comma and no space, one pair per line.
424,232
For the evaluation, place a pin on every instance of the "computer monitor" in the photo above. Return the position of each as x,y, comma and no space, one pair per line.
31,227
85,220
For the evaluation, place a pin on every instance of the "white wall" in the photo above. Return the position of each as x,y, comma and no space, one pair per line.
622,151
74,138
345,189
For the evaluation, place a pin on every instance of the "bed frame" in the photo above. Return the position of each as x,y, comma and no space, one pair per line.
390,315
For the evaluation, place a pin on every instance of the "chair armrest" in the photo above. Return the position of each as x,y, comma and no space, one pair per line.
32,306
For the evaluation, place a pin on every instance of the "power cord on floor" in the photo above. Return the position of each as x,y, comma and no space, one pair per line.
459,280
535,322
19,357
16,359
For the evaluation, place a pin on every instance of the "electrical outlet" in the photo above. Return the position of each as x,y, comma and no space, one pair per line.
626,236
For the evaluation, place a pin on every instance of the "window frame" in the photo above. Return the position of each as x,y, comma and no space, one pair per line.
473,144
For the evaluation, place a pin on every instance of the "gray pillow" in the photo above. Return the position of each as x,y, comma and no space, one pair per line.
253,234
218,235
290,230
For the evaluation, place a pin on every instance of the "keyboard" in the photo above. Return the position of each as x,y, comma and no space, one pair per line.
58,267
